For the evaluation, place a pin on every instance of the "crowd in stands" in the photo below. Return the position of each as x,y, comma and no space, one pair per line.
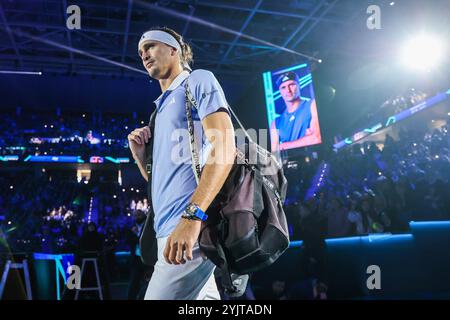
372,189
49,212
83,134
367,188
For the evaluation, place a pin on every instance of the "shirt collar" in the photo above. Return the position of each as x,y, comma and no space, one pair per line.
175,84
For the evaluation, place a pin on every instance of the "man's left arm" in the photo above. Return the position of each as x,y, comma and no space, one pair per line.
312,135
219,131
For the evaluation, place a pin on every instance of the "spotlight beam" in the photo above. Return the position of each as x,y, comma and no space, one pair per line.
20,72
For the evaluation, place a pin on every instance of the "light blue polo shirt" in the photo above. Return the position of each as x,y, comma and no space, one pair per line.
173,180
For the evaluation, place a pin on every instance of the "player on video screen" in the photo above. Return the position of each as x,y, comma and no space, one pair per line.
298,125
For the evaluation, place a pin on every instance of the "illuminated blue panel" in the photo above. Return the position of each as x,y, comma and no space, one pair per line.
9,158
270,105
344,240
60,261
111,159
359,135
304,79
295,244
388,238
66,159
384,237
305,84
122,253
46,256
429,224
374,128
123,160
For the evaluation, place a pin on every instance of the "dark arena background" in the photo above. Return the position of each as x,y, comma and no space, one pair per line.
368,201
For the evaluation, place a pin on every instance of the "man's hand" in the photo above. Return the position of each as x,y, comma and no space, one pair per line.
137,140
181,241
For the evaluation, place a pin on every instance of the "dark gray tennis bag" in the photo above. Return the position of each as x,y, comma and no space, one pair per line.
246,229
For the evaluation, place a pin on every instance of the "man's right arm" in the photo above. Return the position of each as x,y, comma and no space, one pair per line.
136,141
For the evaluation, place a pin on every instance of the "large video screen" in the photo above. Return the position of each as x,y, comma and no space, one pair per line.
291,108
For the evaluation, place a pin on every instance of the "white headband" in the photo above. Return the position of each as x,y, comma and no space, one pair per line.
166,38
160,36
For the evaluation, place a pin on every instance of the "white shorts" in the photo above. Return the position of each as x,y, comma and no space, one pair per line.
193,280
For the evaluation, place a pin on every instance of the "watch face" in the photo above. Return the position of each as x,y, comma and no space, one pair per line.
191,208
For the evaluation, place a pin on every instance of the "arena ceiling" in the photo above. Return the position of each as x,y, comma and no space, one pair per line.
34,36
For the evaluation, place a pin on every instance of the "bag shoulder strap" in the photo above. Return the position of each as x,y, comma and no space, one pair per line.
194,153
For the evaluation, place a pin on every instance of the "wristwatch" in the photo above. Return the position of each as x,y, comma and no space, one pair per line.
193,212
